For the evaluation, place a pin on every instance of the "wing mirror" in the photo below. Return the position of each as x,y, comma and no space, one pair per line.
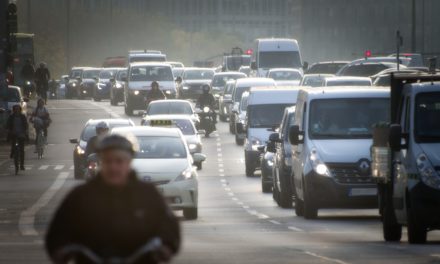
296,136
274,137
305,66
74,141
395,138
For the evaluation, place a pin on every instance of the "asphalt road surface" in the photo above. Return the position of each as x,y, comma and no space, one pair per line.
237,222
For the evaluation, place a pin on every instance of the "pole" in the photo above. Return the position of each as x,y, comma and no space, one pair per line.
4,38
413,26
67,2
399,43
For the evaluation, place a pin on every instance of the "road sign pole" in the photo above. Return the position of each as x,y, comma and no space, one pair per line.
3,48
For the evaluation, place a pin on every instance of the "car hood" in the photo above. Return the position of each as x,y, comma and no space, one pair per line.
261,134
159,169
432,152
164,85
343,151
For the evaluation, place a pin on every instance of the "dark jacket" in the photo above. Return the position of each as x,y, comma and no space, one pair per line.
156,94
206,100
28,72
10,125
113,222
92,144
42,75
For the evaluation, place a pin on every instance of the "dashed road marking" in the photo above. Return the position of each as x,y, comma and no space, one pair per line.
275,222
59,167
325,258
43,167
295,229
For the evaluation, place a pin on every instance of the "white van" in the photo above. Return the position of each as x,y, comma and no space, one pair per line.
275,53
331,140
265,109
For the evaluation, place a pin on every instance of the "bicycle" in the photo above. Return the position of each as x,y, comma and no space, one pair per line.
40,143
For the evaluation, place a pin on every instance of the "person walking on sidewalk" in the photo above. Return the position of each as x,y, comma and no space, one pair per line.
17,132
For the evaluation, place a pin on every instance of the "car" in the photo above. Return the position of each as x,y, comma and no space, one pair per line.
225,101
314,80
366,68
186,126
383,78
285,76
416,59
265,110
347,81
387,59
117,87
145,56
171,107
63,81
245,69
266,164
240,118
241,86
138,83
219,80
88,82
331,139
178,72
280,183
103,87
164,160
73,82
326,67
15,97
89,130
193,80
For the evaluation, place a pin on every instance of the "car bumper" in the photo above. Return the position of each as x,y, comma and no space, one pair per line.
327,193
137,102
426,205
181,194
253,158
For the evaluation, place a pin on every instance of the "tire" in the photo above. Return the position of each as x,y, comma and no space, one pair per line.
299,207
249,168
190,213
417,233
310,209
199,166
78,174
392,231
266,187
231,127
113,102
128,110
275,191
239,141
285,192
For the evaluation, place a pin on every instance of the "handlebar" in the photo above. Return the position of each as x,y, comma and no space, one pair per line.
77,249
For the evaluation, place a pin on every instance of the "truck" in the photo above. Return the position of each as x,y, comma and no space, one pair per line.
406,158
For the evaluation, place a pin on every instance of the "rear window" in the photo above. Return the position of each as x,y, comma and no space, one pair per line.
363,70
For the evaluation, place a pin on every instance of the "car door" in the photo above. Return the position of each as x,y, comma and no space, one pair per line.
297,155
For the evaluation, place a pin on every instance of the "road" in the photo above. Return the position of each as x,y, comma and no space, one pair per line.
237,222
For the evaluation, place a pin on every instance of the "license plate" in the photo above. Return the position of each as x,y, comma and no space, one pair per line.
363,192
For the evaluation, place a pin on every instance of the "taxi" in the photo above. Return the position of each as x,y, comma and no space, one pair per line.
186,126
163,158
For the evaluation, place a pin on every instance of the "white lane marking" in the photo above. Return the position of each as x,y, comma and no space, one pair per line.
72,167
219,155
219,149
275,222
325,258
220,165
240,203
296,229
262,216
59,167
231,194
246,207
27,217
234,199
221,170
435,255
227,189
223,180
43,167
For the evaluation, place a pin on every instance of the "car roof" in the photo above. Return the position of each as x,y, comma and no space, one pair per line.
255,81
110,121
149,63
346,92
198,68
170,101
284,69
113,69
347,78
92,69
148,131
330,62
229,73
318,75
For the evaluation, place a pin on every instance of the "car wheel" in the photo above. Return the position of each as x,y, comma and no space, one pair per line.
222,118
275,191
199,166
249,168
190,213
417,232
231,127
266,187
285,192
112,101
78,173
239,141
299,207
392,231
310,209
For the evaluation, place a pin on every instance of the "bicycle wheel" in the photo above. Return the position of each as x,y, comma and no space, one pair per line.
40,145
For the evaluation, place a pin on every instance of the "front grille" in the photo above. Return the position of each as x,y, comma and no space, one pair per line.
350,174
160,182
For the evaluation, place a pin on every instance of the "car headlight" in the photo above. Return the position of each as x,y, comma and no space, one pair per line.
185,175
206,109
79,150
185,87
255,142
192,146
427,173
216,96
118,85
168,92
318,165
136,92
73,84
28,83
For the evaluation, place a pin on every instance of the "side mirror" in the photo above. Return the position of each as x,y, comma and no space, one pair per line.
296,136
79,79
253,65
66,79
73,141
240,128
395,139
198,158
96,79
223,68
305,66
274,137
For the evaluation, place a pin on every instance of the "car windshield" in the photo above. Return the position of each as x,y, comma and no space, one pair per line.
234,63
121,74
90,130
313,81
147,59
239,92
325,68
13,95
91,74
220,80
348,83
185,126
279,59
427,117
151,73
346,118
169,109
285,75
229,89
266,116
108,74
198,75
363,70
75,74
161,148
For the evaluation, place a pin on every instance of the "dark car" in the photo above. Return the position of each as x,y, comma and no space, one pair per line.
267,157
326,67
103,87
193,80
282,163
79,158
117,87
219,81
88,82
73,81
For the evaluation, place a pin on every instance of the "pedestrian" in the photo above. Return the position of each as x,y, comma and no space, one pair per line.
17,132
118,213
42,77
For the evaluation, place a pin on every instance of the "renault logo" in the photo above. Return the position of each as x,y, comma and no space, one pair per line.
364,166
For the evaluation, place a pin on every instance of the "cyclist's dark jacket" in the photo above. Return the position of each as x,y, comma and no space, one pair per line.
206,100
12,130
113,221
155,94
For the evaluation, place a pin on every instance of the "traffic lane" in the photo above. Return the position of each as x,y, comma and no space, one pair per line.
333,225
23,193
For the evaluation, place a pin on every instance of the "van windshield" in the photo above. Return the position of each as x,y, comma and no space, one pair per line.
346,118
279,59
427,117
151,73
266,116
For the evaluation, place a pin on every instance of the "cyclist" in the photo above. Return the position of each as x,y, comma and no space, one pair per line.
42,77
102,129
41,118
155,93
17,132
118,212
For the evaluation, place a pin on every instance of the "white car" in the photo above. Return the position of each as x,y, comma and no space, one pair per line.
171,107
163,158
285,76
348,81
14,97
